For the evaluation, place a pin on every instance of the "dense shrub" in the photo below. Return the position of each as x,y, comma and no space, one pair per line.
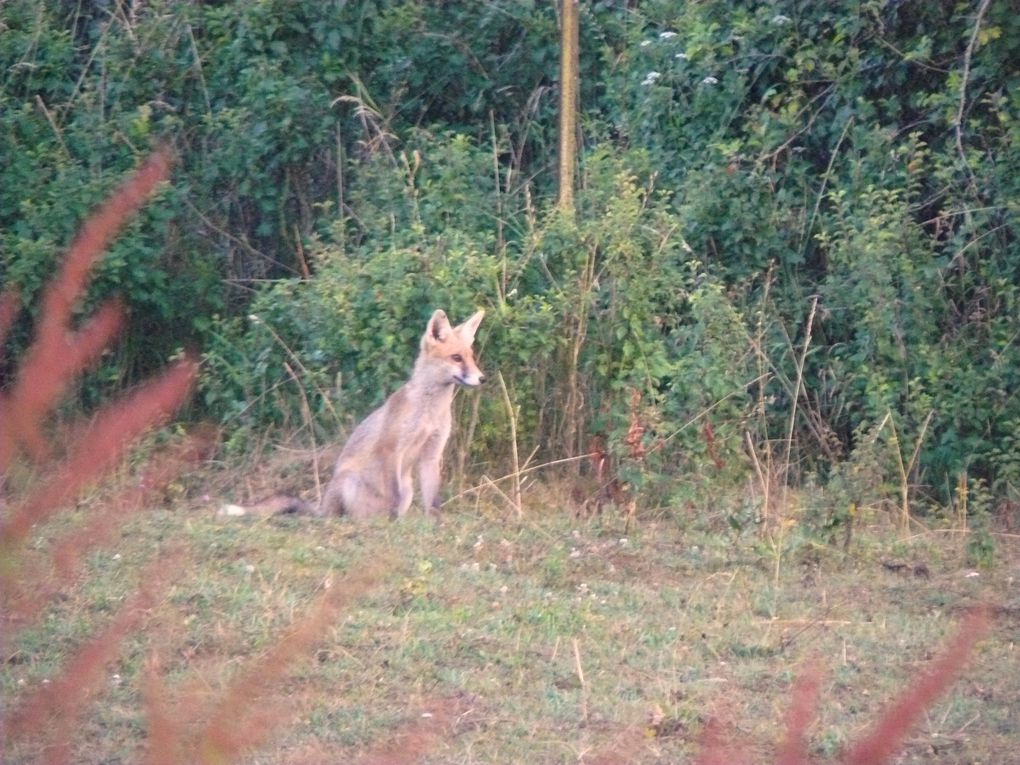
795,221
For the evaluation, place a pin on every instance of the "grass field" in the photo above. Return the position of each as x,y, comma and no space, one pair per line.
493,639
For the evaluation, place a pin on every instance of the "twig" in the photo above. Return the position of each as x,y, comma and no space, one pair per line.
738,390
340,203
523,471
825,181
796,397
306,413
297,361
580,677
53,124
492,485
766,484
198,67
512,417
958,122
920,439
908,468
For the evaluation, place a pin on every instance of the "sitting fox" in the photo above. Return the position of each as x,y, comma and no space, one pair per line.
374,473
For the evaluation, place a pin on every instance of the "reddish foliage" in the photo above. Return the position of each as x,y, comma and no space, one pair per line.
166,734
803,703
34,584
161,470
57,355
892,728
716,748
247,712
55,708
59,352
100,447
879,746
243,719
414,741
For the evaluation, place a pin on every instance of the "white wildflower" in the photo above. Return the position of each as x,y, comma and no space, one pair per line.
682,56
667,35
710,80
645,43
651,78
780,20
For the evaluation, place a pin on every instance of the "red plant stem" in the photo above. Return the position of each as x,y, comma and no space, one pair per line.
413,741
166,734
162,469
894,725
57,352
47,374
804,702
716,749
94,238
100,447
37,582
242,721
65,697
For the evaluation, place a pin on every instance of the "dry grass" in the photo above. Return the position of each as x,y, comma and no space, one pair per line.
550,641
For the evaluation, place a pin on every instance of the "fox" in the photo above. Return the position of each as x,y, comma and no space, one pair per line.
374,474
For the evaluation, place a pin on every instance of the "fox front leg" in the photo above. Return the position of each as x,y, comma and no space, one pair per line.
403,492
429,471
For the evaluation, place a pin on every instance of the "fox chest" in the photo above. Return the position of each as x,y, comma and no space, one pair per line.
427,432
420,425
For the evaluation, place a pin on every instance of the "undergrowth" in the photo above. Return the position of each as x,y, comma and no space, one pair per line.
179,636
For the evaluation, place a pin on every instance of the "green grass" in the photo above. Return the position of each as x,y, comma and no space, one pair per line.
553,640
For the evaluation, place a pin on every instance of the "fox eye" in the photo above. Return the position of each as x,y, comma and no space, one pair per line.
457,358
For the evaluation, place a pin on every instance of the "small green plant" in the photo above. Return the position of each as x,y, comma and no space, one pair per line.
854,488
974,511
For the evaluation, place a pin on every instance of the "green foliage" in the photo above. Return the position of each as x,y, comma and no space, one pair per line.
849,147
352,332
596,302
597,326
793,219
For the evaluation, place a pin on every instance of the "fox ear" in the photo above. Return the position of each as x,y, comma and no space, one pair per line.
468,328
438,328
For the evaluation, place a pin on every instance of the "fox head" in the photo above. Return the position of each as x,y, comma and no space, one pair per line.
448,348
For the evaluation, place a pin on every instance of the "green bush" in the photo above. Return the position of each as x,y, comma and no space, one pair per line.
762,186
593,325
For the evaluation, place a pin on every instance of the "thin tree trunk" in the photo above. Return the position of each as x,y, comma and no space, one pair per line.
568,103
